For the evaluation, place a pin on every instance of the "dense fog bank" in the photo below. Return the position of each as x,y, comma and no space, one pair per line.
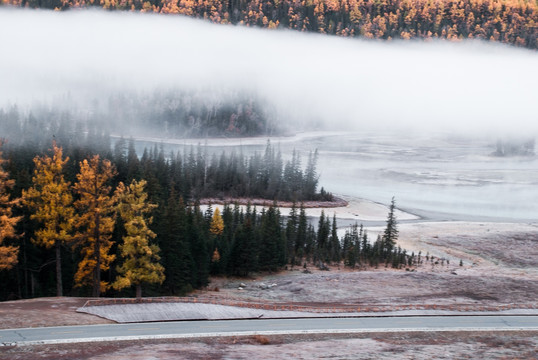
80,60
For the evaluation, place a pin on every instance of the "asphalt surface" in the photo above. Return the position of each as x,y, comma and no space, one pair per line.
179,329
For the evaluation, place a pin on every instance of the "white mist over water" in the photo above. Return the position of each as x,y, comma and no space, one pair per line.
338,83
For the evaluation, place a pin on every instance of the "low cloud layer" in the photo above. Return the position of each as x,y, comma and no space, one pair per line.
343,83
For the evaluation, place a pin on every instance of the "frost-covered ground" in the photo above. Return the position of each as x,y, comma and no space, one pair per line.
419,346
499,266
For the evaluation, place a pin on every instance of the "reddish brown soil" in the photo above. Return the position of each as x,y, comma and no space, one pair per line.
45,312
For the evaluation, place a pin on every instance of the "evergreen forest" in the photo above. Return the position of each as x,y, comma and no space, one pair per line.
169,114
84,215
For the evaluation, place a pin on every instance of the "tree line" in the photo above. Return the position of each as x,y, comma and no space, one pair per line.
95,226
192,113
507,21
195,173
170,114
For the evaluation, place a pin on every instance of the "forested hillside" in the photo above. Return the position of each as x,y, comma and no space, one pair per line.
508,21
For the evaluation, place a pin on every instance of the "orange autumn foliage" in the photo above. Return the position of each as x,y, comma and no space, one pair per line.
507,21
95,222
8,254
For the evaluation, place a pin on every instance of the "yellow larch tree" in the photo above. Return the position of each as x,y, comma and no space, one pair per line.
8,254
95,222
52,202
217,224
216,228
141,258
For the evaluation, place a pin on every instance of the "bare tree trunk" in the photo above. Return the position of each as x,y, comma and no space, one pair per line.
139,291
32,284
97,254
59,285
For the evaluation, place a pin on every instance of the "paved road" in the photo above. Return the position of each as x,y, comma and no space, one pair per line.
178,329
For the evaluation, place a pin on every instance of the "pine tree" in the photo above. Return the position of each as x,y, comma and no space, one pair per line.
133,163
348,250
365,244
351,246
272,248
51,199
335,246
141,259
302,228
322,243
8,253
311,178
291,235
95,221
197,234
120,159
243,253
391,230
176,253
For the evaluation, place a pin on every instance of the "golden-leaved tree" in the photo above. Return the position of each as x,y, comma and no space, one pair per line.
216,228
95,222
217,223
141,258
52,202
8,254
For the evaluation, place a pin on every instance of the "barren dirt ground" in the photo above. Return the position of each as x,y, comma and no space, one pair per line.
420,346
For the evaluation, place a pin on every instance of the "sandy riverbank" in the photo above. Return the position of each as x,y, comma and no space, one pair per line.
349,208
336,202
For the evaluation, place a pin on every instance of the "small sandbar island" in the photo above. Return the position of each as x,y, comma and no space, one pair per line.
343,207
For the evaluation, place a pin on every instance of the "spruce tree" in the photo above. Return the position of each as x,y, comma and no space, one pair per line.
291,235
302,228
390,234
335,245
197,234
243,254
176,255
272,247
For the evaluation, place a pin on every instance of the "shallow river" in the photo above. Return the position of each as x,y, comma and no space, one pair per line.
438,177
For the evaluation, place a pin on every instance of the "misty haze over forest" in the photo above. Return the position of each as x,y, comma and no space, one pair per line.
78,60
